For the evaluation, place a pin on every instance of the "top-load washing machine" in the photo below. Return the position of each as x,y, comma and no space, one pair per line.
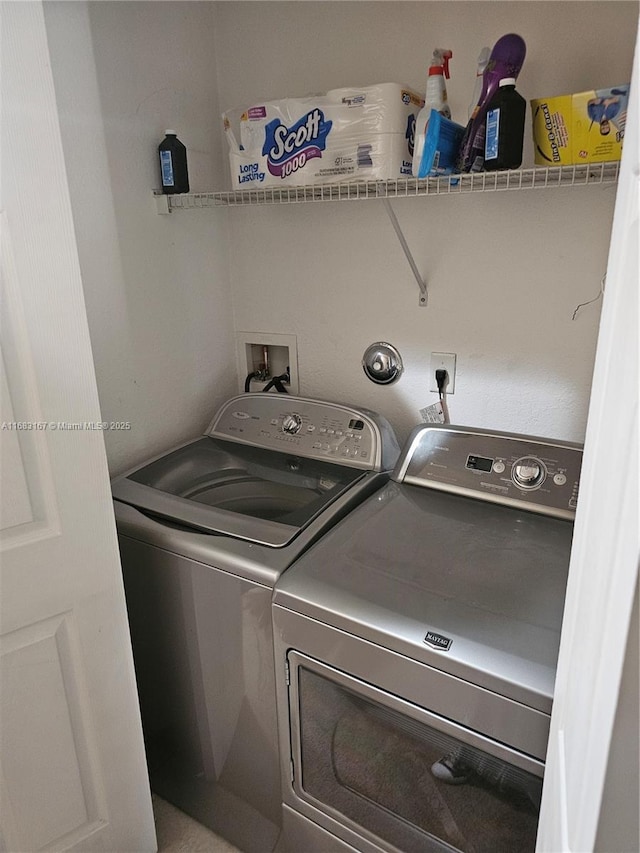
205,530
416,647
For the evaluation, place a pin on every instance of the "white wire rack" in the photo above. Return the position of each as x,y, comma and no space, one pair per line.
523,179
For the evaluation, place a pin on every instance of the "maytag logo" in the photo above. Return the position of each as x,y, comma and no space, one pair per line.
438,641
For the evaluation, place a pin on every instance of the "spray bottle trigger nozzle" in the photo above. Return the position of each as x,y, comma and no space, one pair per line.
441,58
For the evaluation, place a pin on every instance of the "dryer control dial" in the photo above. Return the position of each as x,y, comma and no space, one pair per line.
291,424
528,472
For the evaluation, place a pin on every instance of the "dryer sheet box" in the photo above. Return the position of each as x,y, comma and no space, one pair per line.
587,127
355,134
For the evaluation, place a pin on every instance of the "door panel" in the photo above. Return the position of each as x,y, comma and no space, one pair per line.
42,714
28,508
73,772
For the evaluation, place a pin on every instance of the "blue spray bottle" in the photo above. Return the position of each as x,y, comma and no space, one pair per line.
435,99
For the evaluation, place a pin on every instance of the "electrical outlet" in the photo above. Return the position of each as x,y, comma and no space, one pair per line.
443,361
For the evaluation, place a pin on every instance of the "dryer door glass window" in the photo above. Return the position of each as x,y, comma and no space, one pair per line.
393,777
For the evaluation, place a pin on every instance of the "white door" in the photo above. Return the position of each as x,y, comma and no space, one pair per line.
604,560
72,765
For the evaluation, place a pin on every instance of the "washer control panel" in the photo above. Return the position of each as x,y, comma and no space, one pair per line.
311,428
525,471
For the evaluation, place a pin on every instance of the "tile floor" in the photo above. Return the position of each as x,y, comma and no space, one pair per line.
178,833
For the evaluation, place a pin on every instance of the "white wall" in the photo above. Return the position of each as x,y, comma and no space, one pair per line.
164,294
505,271
156,287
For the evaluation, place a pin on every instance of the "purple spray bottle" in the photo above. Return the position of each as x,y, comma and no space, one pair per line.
506,60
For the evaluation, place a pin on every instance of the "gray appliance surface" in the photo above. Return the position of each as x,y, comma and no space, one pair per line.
205,530
445,565
419,637
266,471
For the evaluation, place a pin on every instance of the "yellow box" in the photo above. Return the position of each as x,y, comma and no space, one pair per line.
587,127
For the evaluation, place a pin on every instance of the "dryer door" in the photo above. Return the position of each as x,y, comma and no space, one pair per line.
402,777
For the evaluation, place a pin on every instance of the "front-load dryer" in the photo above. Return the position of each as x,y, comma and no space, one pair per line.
416,647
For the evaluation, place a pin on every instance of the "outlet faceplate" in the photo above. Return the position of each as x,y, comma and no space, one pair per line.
443,361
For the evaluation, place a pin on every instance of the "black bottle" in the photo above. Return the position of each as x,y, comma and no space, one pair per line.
505,128
173,164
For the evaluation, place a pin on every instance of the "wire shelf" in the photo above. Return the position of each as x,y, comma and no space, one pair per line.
523,179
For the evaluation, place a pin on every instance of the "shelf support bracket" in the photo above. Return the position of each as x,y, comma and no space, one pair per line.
422,299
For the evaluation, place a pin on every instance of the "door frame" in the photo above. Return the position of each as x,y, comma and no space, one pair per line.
604,560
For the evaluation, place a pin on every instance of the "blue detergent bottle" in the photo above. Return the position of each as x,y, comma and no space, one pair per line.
504,135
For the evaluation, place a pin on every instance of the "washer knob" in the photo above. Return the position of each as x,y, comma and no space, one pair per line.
291,424
528,472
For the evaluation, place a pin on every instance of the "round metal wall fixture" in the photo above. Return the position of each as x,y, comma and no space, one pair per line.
382,363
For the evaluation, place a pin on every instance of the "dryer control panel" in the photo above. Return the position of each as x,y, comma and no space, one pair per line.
314,429
524,471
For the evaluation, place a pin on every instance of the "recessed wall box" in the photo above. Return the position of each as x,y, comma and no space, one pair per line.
266,354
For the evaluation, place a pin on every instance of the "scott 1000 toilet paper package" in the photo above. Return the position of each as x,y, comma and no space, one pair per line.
346,135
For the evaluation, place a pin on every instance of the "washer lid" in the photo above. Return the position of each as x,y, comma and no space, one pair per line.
236,490
486,582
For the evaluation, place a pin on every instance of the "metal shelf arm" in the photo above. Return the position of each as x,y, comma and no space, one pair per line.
524,179
424,295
